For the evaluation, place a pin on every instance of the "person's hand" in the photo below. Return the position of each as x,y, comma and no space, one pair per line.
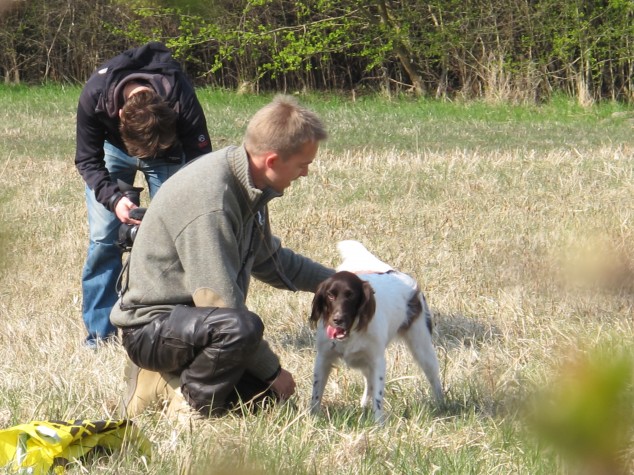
122,210
283,385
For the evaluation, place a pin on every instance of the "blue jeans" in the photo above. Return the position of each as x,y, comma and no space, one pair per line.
103,263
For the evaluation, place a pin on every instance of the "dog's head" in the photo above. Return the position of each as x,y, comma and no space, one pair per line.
341,301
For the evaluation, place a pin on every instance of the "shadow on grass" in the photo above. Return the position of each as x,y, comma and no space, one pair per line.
456,331
473,396
300,340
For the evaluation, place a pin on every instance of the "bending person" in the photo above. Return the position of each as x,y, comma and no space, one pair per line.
137,112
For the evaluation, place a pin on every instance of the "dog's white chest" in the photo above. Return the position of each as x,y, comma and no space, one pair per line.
355,352
358,360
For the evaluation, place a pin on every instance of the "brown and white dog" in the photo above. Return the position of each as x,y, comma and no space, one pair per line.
358,312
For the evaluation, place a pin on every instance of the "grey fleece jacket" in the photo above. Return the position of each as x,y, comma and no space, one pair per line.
203,236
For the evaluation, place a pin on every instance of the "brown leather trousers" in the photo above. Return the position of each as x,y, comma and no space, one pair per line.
208,347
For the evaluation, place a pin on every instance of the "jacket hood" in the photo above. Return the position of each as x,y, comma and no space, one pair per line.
151,63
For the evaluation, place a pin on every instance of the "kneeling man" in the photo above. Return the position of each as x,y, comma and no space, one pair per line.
182,312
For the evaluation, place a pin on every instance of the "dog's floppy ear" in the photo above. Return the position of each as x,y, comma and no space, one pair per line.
367,307
319,303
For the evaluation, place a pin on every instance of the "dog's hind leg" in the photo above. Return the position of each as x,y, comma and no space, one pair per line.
418,339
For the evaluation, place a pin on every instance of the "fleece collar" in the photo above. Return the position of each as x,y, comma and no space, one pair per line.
239,163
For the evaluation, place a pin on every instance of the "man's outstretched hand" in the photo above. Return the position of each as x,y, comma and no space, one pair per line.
283,385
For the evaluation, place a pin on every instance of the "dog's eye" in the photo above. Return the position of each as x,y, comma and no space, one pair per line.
330,296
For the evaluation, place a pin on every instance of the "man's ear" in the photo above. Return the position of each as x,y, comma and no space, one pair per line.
271,159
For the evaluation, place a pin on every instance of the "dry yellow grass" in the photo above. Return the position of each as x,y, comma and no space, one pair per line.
524,256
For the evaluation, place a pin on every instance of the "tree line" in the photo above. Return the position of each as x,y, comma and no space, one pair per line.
518,51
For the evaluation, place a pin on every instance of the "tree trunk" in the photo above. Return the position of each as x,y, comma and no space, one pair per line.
405,57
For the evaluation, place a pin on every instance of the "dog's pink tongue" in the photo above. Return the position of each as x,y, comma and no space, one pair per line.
331,332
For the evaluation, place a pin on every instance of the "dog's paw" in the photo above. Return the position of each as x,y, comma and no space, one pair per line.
314,408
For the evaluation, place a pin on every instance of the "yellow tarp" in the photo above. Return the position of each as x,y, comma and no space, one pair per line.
39,446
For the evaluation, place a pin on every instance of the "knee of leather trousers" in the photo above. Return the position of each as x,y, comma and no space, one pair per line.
172,341
207,346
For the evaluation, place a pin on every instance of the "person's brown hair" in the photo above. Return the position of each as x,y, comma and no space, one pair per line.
283,126
148,124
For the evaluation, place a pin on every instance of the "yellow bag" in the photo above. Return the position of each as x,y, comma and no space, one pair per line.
39,446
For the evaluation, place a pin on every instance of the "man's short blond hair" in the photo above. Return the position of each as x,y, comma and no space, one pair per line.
283,126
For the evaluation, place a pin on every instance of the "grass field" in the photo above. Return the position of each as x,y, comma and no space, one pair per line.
518,223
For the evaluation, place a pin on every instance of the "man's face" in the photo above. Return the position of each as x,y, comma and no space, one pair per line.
283,172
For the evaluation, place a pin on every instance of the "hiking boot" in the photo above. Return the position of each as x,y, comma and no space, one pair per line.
179,410
147,388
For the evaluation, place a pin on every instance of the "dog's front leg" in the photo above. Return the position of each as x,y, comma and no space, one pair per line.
368,390
323,367
375,387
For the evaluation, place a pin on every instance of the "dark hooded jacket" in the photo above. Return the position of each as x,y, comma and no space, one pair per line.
102,98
